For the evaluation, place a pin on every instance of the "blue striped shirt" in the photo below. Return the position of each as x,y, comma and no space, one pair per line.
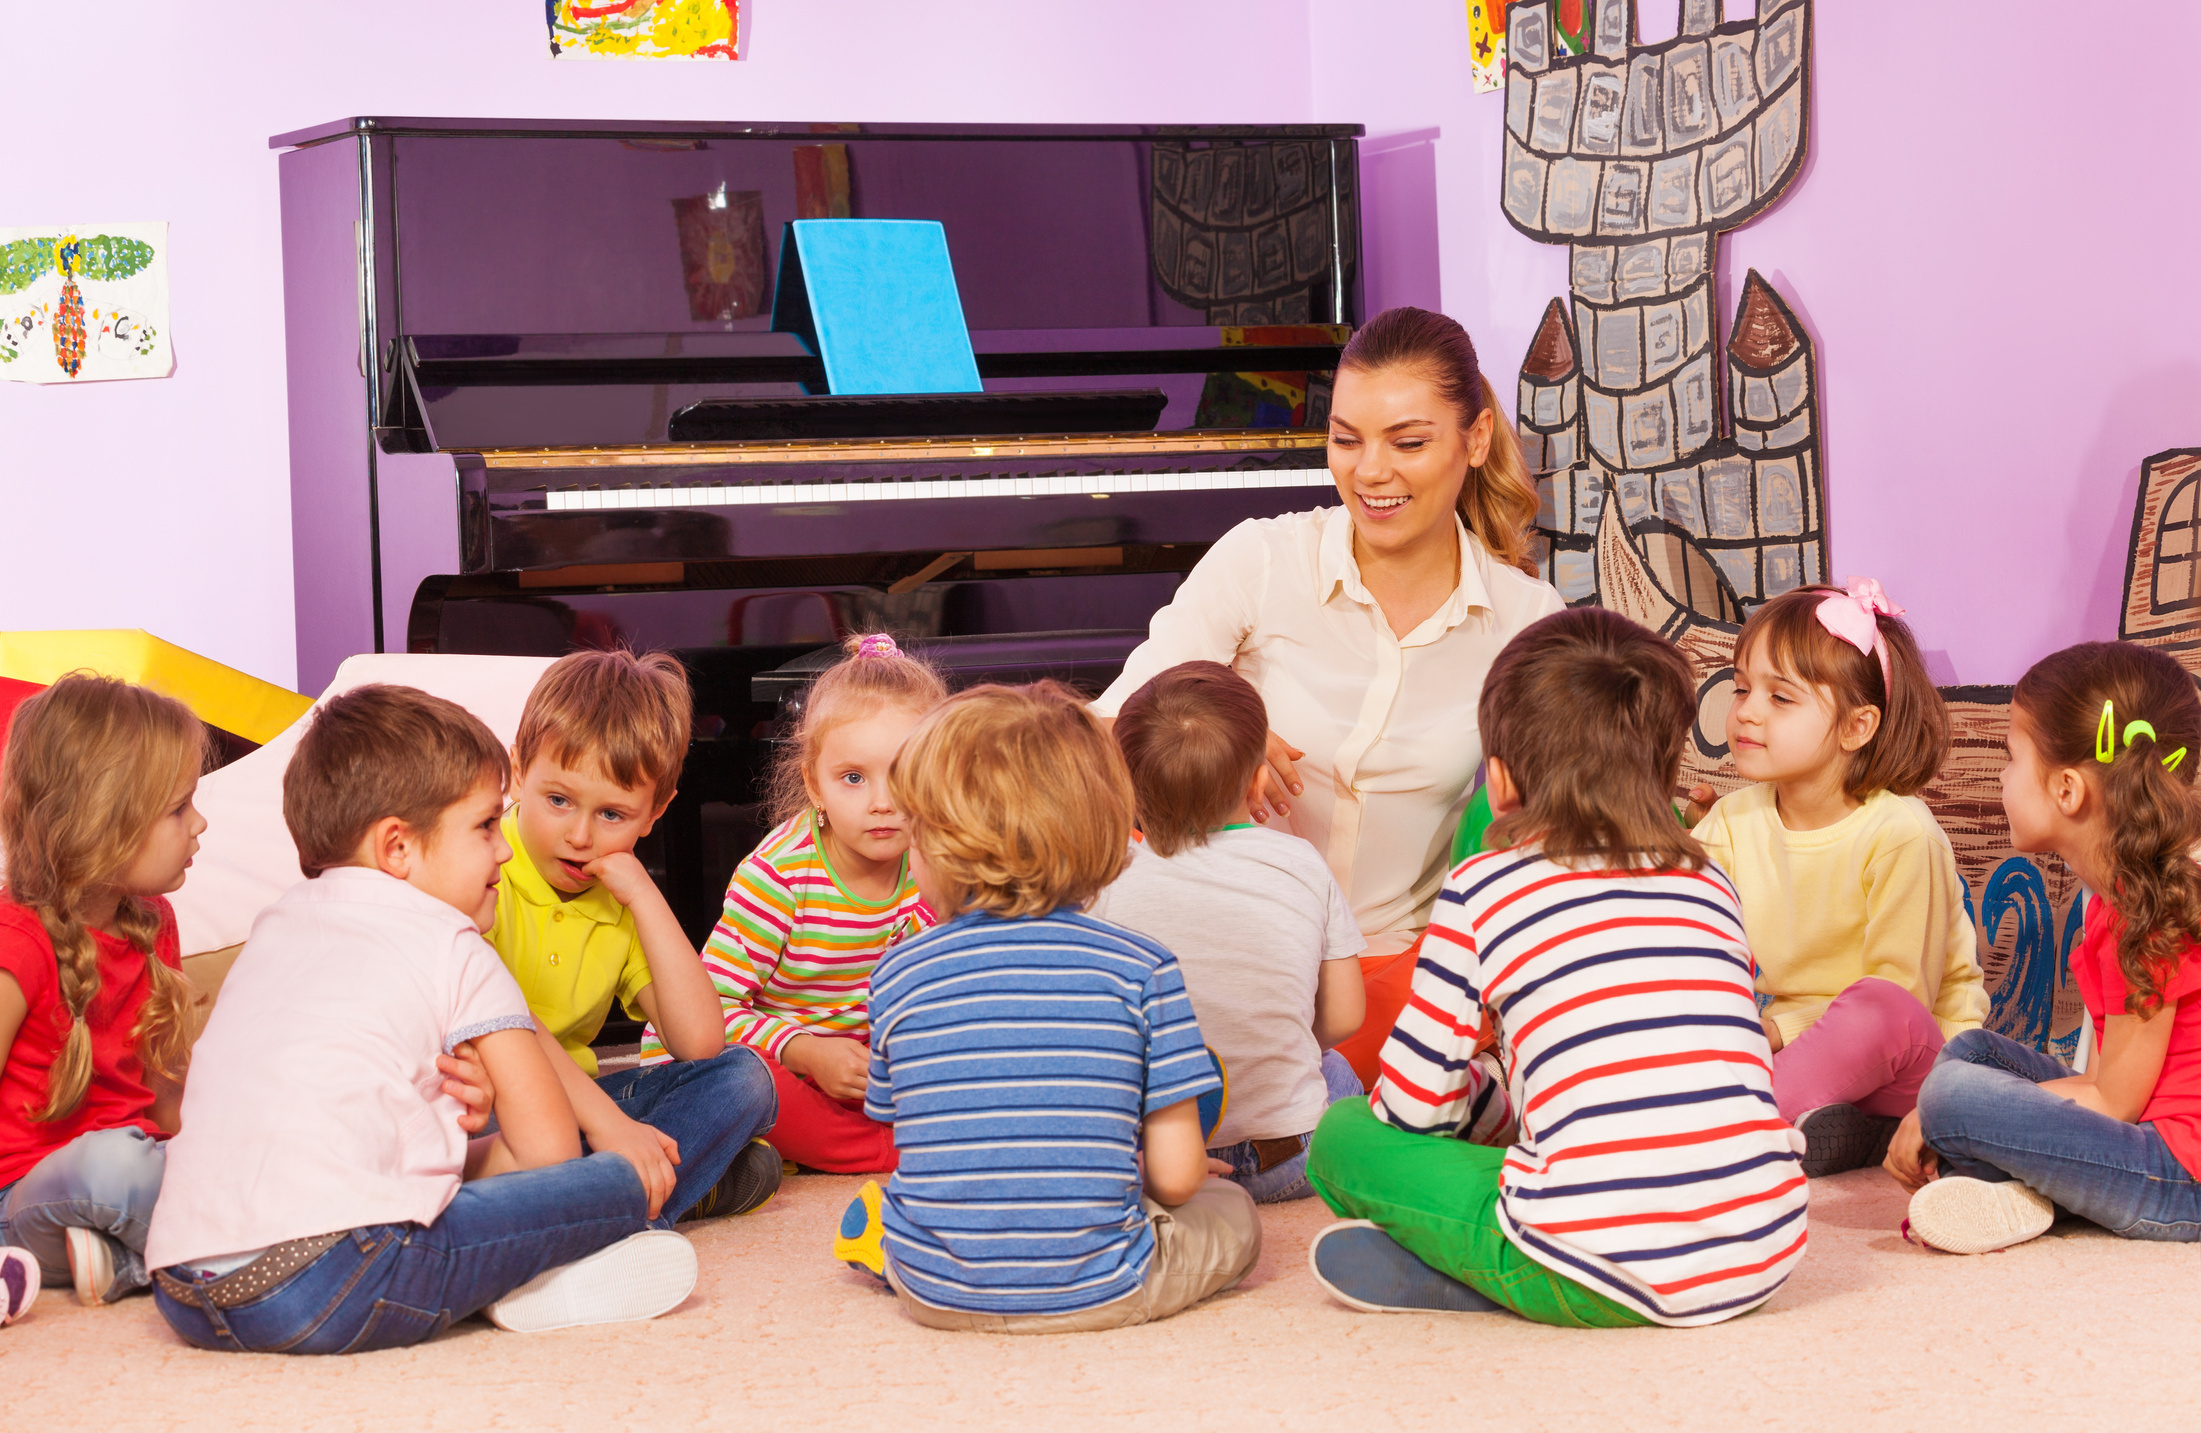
1016,1059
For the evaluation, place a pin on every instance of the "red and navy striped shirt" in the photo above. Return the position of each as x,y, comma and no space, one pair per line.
1649,1162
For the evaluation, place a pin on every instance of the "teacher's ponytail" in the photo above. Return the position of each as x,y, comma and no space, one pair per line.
1498,500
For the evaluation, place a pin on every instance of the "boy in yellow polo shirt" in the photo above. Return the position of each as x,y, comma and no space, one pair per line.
580,924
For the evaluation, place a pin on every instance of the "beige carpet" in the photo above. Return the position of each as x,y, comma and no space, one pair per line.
2072,1331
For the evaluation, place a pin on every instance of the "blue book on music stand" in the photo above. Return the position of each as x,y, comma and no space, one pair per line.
876,300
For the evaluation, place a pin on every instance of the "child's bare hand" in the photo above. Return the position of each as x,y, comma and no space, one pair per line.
1277,779
1910,1162
652,1152
622,875
1700,801
840,1067
466,1079
1217,1167
1772,1034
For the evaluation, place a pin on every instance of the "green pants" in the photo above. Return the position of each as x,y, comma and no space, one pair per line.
1439,1198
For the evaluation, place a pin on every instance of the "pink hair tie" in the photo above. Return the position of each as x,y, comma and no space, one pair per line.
878,644
1854,616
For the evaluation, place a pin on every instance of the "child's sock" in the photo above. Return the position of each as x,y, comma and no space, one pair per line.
1366,1269
857,1243
19,1281
640,1277
1958,1215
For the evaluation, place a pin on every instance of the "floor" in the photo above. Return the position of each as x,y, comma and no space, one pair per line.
2073,1330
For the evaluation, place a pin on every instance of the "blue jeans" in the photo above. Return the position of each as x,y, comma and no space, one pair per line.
391,1285
711,1108
1281,1182
1983,1112
105,1181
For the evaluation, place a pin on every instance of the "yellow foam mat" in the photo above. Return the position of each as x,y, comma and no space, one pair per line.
219,696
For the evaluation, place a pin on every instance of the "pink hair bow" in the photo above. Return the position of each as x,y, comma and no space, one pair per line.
878,644
1854,616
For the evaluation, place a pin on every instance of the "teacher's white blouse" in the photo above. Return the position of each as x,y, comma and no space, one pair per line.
1388,723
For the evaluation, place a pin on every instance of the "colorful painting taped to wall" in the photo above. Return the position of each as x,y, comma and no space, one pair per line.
1486,44
722,253
644,29
80,305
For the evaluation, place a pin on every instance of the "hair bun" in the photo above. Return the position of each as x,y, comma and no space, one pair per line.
876,644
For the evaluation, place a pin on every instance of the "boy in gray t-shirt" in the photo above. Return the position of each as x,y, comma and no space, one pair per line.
1262,932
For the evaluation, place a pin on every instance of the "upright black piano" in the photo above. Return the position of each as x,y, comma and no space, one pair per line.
514,347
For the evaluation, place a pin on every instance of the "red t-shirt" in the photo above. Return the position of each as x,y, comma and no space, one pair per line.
2175,1106
118,1094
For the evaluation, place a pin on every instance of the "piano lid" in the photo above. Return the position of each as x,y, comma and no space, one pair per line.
540,284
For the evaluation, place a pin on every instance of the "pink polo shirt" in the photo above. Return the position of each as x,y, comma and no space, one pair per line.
314,1104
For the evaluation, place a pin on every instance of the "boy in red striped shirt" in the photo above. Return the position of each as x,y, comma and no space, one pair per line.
1618,1158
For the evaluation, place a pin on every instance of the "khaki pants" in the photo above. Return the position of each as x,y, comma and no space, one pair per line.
1201,1247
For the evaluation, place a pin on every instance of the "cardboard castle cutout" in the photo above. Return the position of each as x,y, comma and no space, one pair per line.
1637,157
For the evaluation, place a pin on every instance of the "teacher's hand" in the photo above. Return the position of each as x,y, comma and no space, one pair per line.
1276,777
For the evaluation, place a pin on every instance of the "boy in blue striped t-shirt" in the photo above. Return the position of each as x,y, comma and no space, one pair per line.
1024,1052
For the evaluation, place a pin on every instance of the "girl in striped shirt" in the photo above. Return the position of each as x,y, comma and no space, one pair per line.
1618,1159
811,910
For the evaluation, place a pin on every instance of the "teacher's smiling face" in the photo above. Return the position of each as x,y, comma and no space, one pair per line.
1400,456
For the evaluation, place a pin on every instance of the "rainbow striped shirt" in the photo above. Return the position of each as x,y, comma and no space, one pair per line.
1651,1163
793,951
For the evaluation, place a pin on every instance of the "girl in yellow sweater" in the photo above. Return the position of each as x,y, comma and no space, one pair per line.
1850,893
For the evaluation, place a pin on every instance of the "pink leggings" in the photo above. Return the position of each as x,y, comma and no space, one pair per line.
1872,1049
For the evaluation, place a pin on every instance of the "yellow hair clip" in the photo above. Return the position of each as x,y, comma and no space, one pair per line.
2170,762
2105,734
2131,727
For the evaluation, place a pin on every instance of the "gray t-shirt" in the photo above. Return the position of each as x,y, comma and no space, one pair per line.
1250,917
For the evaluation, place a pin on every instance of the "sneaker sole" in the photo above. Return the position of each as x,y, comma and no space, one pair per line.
91,1267
1363,1305
638,1278
1970,1216
19,1281
858,1241
1838,1138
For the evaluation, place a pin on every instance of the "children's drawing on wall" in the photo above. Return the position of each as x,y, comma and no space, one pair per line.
644,29
1486,44
1637,157
722,253
81,305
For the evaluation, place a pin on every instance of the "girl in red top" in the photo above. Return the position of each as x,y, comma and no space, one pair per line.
2104,741
96,825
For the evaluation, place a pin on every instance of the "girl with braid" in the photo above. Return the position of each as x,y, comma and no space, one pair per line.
96,826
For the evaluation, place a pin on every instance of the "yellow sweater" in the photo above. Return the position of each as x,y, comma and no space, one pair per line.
1877,893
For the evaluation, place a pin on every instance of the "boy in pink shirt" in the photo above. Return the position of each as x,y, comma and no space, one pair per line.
323,1196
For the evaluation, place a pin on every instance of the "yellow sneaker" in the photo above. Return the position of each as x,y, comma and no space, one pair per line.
857,1244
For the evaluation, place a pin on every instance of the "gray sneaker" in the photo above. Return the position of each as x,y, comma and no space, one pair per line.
1840,1137
1364,1268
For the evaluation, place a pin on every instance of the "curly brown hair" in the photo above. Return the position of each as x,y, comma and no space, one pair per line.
2153,817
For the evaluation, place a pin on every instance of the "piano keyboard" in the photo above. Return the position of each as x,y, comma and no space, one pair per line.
1314,473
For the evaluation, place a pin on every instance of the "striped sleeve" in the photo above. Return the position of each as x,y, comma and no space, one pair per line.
1177,1064
744,948
1430,1081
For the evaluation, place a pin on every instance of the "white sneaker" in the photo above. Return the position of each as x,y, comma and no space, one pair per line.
1959,1215
639,1277
91,1266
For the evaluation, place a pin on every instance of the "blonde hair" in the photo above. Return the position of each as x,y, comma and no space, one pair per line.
628,715
1017,799
90,765
874,674
1498,500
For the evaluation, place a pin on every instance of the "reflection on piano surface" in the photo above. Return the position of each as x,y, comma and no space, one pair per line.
504,479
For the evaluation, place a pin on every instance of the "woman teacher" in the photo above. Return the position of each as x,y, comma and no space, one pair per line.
1368,629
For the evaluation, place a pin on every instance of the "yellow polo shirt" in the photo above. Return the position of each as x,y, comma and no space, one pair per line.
572,957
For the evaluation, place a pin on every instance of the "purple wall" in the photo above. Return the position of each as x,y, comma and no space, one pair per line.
1989,243
166,505
1981,243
